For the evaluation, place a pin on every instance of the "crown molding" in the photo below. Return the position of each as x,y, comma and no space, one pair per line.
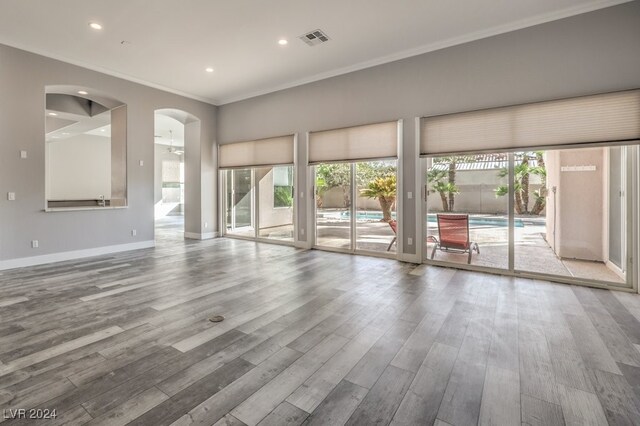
107,71
478,35
467,38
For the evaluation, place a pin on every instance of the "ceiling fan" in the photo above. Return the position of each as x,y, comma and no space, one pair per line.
172,149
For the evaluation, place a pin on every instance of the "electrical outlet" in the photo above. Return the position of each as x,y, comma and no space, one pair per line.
410,241
134,232
23,154
11,196
35,244
141,163
409,195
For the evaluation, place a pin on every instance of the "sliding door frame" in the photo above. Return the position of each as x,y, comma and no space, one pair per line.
255,206
353,210
632,234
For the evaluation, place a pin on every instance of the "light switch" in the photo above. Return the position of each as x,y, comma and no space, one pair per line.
141,163
23,154
11,196
409,195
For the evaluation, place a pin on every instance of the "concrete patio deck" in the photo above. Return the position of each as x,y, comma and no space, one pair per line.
532,253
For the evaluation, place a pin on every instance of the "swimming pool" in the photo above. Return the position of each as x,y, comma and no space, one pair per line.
485,221
496,221
365,215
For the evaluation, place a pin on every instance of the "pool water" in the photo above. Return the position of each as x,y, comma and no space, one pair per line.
365,215
431,218
485,221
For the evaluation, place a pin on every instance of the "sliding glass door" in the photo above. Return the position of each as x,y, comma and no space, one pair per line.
259,203
355,206
576,220
333,196
561,214
375,206
275,194
467,218
240,205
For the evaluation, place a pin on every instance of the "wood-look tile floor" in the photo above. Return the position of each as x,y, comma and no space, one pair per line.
309,338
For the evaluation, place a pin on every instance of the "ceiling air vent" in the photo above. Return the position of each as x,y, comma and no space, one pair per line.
314,37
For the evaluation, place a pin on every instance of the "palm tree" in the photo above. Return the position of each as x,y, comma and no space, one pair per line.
541,194
438,184
522,171
448,189
452,181
383,189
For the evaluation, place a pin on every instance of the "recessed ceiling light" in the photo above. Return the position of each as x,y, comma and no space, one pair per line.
53,114
95,25
209,69
83,92
283,42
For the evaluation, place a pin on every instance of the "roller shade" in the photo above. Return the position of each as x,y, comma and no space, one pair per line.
262,152
372,141
589,119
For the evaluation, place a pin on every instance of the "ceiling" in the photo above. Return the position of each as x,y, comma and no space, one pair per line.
168,43
168,131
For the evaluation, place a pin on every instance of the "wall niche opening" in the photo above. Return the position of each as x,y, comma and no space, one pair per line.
85,150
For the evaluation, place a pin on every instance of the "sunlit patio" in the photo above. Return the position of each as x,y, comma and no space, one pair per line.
532,252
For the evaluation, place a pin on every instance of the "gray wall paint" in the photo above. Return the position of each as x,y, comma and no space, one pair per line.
590,53
23,77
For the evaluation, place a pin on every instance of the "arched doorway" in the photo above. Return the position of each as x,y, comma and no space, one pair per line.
172,140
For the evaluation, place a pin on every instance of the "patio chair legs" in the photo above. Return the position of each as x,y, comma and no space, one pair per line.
472,247
391,243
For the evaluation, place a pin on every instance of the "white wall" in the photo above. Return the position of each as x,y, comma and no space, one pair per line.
162,155
270,216
79,168
477,193
579,223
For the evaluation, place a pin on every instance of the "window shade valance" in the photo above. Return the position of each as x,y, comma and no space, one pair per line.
589,119
262,152
371,141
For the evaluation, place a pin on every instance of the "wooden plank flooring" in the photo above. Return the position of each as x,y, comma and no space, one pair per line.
310,338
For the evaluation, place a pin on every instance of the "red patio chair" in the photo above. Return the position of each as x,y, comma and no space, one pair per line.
453,232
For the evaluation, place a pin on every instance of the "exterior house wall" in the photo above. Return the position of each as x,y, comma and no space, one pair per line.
580,202
477,193
270,216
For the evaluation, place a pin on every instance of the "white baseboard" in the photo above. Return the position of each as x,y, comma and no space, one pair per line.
203,236
302,245
72,255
